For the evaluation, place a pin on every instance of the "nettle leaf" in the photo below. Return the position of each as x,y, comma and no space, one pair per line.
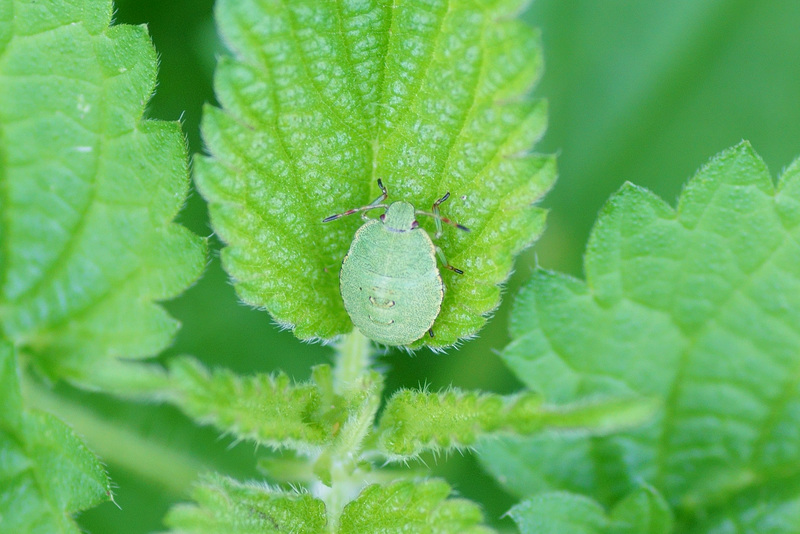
320,99
411,506
272,409
225,505
416,421
46,473
88,191
561,513
644,511
698,306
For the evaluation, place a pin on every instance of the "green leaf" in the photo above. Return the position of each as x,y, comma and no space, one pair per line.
644,511
559,513
750,511
46,473
698,306
88,191
271,409
224,505
322,98
268,409
411,506
415,421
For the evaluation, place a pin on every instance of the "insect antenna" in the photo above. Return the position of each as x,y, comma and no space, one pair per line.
372,205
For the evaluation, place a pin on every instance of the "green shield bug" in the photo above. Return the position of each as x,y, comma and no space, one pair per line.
390,284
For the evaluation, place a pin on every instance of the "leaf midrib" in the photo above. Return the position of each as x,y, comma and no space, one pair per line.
672,397
410,104
59,262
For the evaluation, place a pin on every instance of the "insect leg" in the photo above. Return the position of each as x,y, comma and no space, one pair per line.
384,195
438,217
352,211
440,253
372,205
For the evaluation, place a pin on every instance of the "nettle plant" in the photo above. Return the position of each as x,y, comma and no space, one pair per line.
661,391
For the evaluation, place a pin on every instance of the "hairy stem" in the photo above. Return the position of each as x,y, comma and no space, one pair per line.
353,360
353,380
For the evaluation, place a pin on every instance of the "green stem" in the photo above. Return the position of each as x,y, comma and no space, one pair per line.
117,445
351,379
353,360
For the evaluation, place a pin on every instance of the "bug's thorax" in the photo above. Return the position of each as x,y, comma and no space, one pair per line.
399,217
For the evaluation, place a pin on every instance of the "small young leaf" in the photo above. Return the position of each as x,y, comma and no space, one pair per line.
271,409
46,473
322,98
415,421
88,191
699,307
225,505
411,506
268,409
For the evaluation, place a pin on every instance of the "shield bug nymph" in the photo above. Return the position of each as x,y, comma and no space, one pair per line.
390,284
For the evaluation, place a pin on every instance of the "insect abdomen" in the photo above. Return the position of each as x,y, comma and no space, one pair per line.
390,284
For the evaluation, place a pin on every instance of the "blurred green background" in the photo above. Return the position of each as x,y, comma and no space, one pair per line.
644,91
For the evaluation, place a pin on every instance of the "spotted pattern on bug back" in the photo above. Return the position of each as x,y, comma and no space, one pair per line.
390,283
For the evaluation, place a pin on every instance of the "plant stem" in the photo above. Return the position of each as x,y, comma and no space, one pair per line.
352,378
353,360
117,445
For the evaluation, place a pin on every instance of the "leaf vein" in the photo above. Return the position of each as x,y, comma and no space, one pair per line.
267,69
59,262
376,143
670,404
332,111
473,103
349,60
429,62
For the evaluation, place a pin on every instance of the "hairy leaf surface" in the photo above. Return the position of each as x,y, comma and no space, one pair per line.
88,191
415,421
411,506
320,99
46,473
225,505
698,306
271,409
